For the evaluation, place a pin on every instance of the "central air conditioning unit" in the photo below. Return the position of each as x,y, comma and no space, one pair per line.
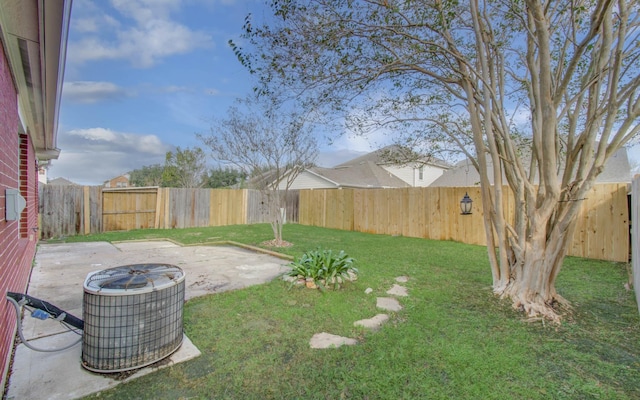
132,316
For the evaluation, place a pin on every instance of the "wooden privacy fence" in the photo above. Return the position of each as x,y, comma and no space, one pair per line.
62,210
73,210
635,236
602,230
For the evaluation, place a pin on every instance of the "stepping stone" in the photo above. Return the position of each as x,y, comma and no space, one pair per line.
388,303
398,290
402,279
326,340
373,323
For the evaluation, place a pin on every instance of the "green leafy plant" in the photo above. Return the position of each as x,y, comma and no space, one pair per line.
323,267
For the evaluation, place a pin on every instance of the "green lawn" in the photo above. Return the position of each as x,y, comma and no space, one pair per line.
452,340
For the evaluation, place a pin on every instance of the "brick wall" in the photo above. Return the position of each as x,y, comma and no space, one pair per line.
17,242
28,188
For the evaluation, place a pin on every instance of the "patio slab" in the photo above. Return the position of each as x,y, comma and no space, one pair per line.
58,276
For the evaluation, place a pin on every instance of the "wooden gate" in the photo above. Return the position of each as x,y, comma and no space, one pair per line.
129,208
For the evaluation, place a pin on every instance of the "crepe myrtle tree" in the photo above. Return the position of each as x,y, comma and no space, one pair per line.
456,72
269,144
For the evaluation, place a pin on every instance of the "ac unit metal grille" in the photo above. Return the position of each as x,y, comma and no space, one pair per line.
132,328
133,277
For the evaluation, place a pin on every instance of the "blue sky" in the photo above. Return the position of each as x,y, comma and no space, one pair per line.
143,76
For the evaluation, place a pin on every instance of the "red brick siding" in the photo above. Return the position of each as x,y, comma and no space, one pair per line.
16,252
122,180
28,181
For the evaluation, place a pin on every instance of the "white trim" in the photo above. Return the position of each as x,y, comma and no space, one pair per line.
22,127
322,177
64,36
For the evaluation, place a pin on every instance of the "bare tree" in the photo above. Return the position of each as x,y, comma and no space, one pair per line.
441,70
269,145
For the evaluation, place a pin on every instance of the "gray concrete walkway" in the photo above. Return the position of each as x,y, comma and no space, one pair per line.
58,277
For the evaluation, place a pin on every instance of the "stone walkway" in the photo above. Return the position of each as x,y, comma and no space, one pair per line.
326,340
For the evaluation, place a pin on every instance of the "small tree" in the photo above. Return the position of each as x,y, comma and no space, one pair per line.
148,175
185,168
224,177
270,145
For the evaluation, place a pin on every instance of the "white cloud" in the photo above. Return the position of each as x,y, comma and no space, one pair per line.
363,142
189,109
355,143
174,89
94,155
143,10
331,158
107,139
93,49
86,25
96,134
92,92
143,34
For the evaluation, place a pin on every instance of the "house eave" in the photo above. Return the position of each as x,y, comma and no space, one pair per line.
47,154
34,34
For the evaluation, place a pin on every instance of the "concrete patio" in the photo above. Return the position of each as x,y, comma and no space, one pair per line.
58,276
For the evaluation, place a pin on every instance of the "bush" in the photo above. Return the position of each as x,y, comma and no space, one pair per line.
323,267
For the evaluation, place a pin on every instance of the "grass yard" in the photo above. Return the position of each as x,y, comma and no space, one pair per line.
452,340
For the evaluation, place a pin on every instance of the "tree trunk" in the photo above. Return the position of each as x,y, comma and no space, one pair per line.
277,221
533,273
276,227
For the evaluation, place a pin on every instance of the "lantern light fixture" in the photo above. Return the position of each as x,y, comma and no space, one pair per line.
465,204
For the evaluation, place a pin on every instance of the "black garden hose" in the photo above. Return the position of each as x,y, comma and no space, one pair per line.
47,310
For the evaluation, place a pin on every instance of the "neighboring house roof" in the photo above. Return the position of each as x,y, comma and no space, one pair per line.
61,182
126,177
373,170
617,169
366,174
389,167
394,154
262,180
34,33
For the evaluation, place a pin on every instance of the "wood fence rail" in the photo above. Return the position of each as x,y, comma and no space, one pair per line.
78,210
602,231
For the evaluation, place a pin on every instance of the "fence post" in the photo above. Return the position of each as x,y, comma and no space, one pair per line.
166,197
635,236
156,222
86,210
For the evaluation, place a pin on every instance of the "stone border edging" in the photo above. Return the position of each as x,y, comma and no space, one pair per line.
215,243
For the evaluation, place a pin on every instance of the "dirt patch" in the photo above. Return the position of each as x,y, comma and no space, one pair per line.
276,243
